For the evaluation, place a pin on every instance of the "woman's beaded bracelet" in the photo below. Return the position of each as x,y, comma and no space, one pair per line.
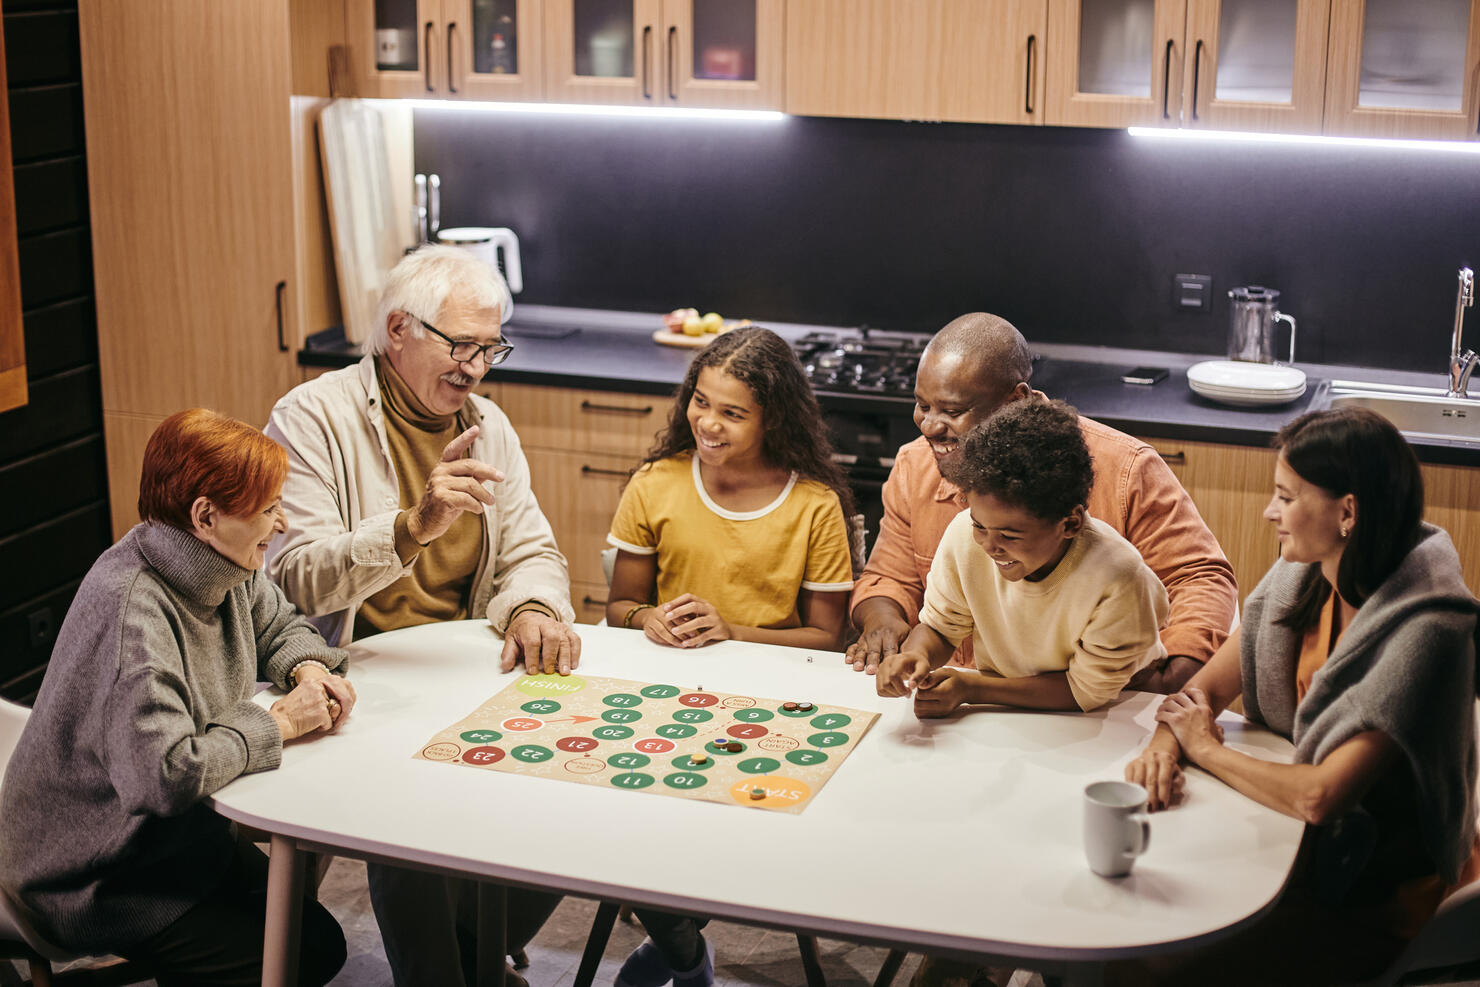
627,620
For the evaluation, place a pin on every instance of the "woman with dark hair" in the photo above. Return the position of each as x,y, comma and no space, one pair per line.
1359,645
734,525
146,709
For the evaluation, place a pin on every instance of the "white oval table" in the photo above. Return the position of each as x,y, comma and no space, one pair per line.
958,836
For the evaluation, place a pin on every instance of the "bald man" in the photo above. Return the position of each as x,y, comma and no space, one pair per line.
972,367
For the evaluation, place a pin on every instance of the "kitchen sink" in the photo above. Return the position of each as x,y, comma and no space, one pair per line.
1420,412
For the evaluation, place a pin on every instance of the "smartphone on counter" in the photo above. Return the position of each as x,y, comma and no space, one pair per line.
1144,375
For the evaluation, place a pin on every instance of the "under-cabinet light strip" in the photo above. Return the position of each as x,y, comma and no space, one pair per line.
580,109
1183,134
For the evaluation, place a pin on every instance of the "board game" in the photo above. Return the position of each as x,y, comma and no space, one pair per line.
690,743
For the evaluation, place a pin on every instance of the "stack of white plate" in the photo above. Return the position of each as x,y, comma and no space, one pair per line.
1245,384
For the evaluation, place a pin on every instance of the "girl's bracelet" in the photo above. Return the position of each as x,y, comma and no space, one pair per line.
627,620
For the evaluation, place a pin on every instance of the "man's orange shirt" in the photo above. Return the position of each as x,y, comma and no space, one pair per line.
1134,492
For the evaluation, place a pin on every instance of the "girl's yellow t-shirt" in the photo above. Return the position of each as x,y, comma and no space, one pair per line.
751,565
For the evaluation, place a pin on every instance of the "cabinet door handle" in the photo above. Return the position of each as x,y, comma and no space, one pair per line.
282,343
1174,458
1166,82
451,27
672,64
426,65
647,57
1028,88
591,601
1196,74
616,409
598,471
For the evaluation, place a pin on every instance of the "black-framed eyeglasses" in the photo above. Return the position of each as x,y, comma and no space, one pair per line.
466,351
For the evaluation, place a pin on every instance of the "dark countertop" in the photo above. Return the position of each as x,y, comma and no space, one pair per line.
614,351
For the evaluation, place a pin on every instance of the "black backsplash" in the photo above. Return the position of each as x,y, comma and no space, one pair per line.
1073,234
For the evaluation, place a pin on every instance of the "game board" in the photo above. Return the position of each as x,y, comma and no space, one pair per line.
656,738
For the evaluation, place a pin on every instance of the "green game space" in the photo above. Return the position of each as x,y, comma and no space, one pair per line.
612,732
660,691
711,748
480,736
759,765
676,731
754,715
805,757
541,706
634,779
682,761
621,716
685,780
693,716
531,753
629,761
622,699
834,739
832,721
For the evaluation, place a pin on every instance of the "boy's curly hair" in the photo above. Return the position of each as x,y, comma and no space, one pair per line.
1031,455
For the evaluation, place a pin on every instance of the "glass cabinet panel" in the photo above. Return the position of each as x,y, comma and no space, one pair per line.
396,41
1413,54
1115,42
724,39
603,38
495,37
1256,51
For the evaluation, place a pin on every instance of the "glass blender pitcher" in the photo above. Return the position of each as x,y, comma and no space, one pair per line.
1252,313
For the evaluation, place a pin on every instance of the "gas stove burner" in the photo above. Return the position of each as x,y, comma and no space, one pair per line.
861,361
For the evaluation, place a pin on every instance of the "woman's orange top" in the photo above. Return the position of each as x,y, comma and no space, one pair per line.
1415,900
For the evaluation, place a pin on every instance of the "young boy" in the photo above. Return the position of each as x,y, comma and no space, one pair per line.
1062,609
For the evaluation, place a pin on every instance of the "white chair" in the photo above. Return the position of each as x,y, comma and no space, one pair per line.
18,936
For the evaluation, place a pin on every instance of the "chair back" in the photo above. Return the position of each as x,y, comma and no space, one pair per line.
14,924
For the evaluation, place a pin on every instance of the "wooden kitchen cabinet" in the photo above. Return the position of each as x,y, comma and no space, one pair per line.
1231,485
194,211
446,49
1255,65
972,61
725,54
580,445
1401,69
1115,63
12,333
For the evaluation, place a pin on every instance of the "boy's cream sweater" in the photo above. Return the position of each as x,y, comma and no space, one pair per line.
1095,616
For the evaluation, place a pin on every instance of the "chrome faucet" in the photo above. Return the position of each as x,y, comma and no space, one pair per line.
1462,364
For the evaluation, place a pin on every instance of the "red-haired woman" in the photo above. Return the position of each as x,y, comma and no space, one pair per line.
146,709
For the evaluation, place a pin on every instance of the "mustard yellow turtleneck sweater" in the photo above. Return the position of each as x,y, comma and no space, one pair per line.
438,585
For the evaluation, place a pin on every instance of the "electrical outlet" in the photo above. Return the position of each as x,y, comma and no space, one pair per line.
1192,291
43,626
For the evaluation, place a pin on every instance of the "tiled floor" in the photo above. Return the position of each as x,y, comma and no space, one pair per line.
745,956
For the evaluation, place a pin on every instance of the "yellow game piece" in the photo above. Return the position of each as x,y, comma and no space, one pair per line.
757,793
698,758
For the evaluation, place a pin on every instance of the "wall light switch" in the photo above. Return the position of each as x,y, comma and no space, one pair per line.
1192,291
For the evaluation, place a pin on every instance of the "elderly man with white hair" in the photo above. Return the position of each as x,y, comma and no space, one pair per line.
408,501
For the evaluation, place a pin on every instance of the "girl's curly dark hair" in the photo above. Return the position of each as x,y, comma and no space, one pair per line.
795,436
1031,454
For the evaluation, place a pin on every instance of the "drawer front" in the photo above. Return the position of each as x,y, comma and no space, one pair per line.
579,493
563,418
589,599
1231,485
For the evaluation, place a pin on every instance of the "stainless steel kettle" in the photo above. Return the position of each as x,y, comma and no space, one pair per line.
1252,313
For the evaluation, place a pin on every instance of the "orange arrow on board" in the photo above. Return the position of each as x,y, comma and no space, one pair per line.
573,719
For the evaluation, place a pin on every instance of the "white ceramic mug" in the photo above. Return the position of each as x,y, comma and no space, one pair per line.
1116,830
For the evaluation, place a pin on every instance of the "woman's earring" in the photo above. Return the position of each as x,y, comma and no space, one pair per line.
1345,531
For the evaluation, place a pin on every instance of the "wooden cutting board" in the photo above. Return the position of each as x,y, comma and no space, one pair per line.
668,337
